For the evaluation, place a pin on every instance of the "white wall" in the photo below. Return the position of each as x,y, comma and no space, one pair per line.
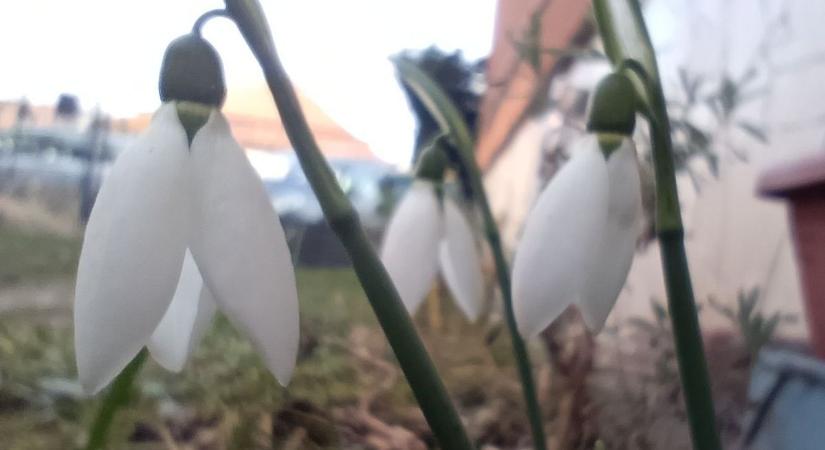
734,239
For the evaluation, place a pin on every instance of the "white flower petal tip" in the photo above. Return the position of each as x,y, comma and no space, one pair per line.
410,248
240,248
132,251
621,231
186,320
460,261
561,240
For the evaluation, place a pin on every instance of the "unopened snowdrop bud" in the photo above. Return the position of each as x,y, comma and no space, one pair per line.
428,231
459,258
181,226
410,248
580,237
618,238
561,239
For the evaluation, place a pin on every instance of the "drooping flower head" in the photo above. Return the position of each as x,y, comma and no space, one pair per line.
579,239
182,226
429,231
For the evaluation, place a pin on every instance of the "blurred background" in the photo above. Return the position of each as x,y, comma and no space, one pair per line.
79,83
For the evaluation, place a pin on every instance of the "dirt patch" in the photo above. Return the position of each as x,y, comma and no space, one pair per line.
34,215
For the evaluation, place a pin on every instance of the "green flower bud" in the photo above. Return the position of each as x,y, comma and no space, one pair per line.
613,106
433,162
192,72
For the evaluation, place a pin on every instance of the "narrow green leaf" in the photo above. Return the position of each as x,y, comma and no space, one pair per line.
445,113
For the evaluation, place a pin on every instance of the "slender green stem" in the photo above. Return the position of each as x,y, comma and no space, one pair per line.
452,124
503,274
398,327
117,397
519,347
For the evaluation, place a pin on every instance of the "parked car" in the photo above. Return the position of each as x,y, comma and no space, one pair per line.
60,166
65,167
368,185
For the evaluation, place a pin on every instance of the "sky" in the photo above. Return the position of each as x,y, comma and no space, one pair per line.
109,53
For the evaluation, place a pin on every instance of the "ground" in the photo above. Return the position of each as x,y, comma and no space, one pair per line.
347,392
224,398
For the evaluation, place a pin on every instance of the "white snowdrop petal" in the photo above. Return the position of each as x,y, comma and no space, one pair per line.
411,240
185,321
460,261
560,240
618,240
132,251
239,245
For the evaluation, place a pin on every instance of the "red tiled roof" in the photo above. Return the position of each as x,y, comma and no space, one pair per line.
256,124
512,82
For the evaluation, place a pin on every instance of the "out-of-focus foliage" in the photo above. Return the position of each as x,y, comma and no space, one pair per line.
756,326
460,81
712,139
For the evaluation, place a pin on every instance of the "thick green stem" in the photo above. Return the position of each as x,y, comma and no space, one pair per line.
688,337
683,313
117,397
398,327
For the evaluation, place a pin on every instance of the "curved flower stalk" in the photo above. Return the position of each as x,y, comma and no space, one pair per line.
182,226
579,240
427,232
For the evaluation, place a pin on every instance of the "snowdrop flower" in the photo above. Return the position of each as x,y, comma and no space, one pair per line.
181,226
429,231
579,239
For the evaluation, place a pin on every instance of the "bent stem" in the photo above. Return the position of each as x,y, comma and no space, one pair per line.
628,45
117,397
453,125
398,327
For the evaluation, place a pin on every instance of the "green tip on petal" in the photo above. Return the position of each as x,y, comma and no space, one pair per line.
609,142
192,72
613,106
192,116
